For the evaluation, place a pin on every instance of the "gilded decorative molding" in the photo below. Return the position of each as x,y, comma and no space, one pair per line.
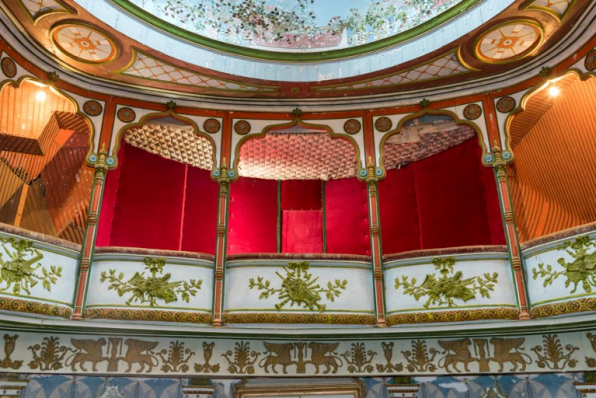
564,307
148,289
333,319
457,315
132,314
298,287
449,286
20,272
581,271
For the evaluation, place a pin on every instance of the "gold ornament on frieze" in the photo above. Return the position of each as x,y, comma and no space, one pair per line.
359,359
48,355
207,354
140,352
552,355
299,287
176,357
388,352
241,360
420,358
9,346
86,350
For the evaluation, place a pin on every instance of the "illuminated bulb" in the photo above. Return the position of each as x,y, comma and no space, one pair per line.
40,96
553,91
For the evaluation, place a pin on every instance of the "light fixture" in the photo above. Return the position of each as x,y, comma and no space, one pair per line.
553,91
40,96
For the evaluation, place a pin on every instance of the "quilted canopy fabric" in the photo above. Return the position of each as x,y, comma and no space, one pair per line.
401,154
181,144
298,156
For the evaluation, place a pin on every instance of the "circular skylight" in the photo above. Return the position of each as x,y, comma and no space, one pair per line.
303,26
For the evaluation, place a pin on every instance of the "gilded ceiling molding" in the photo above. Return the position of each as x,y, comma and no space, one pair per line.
84,43
557,8
146,67
509,41
444,66
36,9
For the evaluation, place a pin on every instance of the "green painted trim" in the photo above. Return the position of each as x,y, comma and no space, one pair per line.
324,215
459,307
343,266
64,303
47,247
298,310
139,260
279,216
291,57
419,261
108,306
552,245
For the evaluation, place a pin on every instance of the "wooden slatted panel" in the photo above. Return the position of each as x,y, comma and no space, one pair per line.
553,179
22,115
536,107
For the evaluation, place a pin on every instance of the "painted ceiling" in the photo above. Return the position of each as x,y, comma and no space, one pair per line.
299,25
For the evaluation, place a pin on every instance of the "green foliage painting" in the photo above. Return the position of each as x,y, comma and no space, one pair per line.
19,270
449,286
581,271
299,287
148,289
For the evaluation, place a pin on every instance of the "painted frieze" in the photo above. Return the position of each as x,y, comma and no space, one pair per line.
449,288
277,291
32,352
147,288
30,273
562,276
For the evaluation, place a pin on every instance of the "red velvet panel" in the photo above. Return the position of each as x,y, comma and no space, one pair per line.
399,211
108,203
493,210
252,225
200,213
149,203
302,231
346,209
451,198
301,195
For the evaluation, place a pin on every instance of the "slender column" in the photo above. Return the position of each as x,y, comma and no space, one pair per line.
500,166
375,238
220,253
101,167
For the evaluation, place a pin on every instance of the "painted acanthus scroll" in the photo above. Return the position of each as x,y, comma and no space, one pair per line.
582,270
148,289
20,272
450,286
299,287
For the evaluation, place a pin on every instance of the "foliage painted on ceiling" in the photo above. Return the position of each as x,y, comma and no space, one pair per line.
296,25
